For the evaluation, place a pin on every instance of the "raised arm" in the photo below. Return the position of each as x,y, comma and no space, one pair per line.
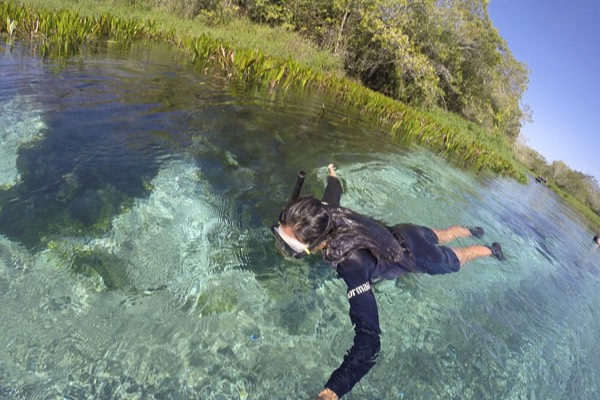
365,318
333,191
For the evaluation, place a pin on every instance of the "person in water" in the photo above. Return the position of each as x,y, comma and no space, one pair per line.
597,240
364,251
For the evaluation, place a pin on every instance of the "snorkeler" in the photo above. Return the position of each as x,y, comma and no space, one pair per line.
364,251
597,240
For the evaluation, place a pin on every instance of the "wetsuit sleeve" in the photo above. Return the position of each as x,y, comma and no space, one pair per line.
364,316
333,191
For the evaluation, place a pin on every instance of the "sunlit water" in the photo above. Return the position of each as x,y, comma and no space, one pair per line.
136,260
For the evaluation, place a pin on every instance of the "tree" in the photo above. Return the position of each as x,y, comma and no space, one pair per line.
385,57
424,52
479,75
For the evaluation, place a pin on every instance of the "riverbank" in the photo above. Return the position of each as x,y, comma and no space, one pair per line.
265,57
272,58
584,211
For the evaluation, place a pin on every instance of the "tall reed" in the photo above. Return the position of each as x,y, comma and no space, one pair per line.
63,33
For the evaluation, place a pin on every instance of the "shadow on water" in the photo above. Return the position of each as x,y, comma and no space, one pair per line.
55,199
97,155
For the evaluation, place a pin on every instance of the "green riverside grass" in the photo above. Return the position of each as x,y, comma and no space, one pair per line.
59,29
267,58
63,32
591,218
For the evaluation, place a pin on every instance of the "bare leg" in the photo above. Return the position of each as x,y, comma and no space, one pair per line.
449,234
466,254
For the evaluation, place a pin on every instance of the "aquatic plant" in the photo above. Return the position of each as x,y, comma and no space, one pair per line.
90,262
591,219
10,26
217,300
63,33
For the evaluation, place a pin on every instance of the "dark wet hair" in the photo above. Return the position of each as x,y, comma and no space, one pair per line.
354,231
349,231
307,216
597,239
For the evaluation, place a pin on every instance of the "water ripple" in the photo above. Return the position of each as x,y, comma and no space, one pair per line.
181,294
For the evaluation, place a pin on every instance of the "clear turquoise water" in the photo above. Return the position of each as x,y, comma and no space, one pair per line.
136,260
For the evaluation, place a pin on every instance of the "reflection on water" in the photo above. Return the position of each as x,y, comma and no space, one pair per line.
136,260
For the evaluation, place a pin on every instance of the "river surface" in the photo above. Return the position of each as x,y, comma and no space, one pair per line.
136,261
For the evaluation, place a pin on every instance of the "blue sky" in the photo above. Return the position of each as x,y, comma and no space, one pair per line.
560,43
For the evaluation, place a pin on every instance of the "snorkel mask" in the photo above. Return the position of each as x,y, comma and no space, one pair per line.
290,245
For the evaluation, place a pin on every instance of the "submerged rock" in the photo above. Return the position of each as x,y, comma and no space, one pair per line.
21,123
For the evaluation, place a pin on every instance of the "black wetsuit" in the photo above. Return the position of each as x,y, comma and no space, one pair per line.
360,270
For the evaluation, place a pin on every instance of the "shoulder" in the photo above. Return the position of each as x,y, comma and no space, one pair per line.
358,260
362,256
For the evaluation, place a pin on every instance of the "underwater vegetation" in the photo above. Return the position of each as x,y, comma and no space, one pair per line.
62,193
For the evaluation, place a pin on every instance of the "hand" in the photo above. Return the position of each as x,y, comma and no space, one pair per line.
331,169
327,394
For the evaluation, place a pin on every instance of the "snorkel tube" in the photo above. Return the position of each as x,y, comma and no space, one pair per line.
290,245
275,229
298,185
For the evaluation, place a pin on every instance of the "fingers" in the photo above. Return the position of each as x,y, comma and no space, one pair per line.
327,394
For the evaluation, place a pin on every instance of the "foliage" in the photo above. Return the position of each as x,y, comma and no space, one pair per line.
239,32
580,190
252,67
482,81
422,52
581,186
63,32
444,53
590,216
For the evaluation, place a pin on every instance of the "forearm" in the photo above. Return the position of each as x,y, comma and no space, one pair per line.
357,363
333,191
365,318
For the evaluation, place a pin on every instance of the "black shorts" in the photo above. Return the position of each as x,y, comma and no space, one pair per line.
423,247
